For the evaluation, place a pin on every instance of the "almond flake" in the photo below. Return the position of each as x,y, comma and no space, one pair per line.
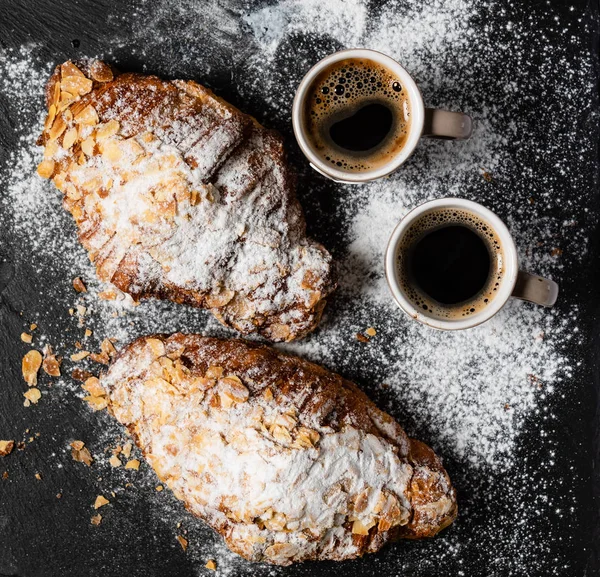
133,464
108,348
51,364
78,85
30,366
32,327
100,502
107,130
6,447
93,387
371,331
26,338
32,395
70,138
96,519
88,333
211,564
97,403
126,450
79,356
183,542
38,476
87,116
79,285
45,168
58,127
115,461
101,72
87,146
159,488
69,69
81,454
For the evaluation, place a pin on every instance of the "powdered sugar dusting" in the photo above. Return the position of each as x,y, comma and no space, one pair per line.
480,397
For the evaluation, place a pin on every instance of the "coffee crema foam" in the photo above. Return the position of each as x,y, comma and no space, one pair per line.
434,220
343,90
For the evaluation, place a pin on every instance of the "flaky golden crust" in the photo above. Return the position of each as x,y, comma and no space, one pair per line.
178,195
285,459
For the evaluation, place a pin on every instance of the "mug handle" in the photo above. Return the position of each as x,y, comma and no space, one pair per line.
447,125
535,289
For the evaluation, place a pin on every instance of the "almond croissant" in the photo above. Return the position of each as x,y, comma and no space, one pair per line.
178,195
285,459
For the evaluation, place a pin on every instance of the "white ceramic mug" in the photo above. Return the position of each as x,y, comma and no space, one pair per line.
514,282
425,122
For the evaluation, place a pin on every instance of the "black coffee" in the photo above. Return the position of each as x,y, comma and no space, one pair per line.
357,115
367,128
450,263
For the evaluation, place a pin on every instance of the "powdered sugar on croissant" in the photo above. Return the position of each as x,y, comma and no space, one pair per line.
179,195
285,459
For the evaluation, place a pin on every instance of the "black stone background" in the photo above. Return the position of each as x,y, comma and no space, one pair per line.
43,536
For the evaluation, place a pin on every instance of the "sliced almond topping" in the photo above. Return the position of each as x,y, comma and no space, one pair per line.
268,394
133,464
159,488
111,150
359,529
87,333
77,85
30,366
107,130
100,502
214,372
87,146
96,519
371,331
32,395
101,72
26,338
281,434
45,168
70,138
69,69
96,403
183,542
51,149
51,116
232,386
157,347
210,564
58,127
93,387
6,447
77,445
79,356
87,116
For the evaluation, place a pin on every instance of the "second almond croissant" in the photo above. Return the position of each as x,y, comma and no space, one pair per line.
178,195
285,459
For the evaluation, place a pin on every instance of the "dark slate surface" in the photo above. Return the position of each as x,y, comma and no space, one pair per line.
43,536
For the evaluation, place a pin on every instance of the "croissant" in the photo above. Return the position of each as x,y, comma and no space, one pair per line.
286,460
178,195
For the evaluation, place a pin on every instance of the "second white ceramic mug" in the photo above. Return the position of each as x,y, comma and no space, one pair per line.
514,282
425,122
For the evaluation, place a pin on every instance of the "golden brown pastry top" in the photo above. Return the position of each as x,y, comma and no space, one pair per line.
285,459
179,195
